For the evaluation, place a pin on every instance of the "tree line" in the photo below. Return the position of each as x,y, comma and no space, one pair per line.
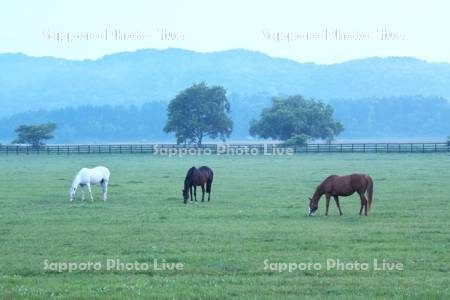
206,112
203,111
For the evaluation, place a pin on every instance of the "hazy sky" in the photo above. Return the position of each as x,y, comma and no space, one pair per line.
317,31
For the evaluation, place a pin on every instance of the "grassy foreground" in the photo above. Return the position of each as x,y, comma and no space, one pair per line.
257,214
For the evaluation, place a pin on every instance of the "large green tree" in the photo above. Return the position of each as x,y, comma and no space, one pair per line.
197,112
34,134
296,119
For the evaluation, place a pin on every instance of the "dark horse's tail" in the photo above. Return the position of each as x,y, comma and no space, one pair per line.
209,182
369,191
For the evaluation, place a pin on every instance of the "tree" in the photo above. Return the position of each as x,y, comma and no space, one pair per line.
295,119
34,134
197,112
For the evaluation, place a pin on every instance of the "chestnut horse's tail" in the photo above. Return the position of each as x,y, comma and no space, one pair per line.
369,191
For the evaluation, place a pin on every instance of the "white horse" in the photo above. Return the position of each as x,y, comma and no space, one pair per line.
86,177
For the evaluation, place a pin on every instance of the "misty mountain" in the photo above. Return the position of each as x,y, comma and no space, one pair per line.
34,83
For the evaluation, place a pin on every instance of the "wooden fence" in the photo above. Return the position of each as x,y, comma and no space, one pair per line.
227,149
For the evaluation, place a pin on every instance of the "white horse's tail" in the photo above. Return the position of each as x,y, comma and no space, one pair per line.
106,173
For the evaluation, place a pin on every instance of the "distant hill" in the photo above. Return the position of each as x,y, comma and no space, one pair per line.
32,83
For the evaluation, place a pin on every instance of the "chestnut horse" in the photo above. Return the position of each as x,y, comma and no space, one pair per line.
198,177
343,186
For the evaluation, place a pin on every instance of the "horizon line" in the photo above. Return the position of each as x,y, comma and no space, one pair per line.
220,51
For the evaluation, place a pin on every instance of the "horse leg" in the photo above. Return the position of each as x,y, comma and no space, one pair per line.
105,190
363,204
336,199
195,193
328,204
190,192
203,192
208,188
82,193
90,192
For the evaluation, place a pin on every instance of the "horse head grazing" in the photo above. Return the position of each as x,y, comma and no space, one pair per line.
73,191
187,184
185,196
74,187
313,205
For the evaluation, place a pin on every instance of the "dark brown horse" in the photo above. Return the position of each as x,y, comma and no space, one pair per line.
343,186
198,177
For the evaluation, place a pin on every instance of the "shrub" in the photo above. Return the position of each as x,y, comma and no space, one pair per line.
298,140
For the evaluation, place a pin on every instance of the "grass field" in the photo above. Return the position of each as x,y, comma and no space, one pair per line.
257,213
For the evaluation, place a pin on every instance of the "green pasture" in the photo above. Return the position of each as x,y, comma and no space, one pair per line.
257,214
